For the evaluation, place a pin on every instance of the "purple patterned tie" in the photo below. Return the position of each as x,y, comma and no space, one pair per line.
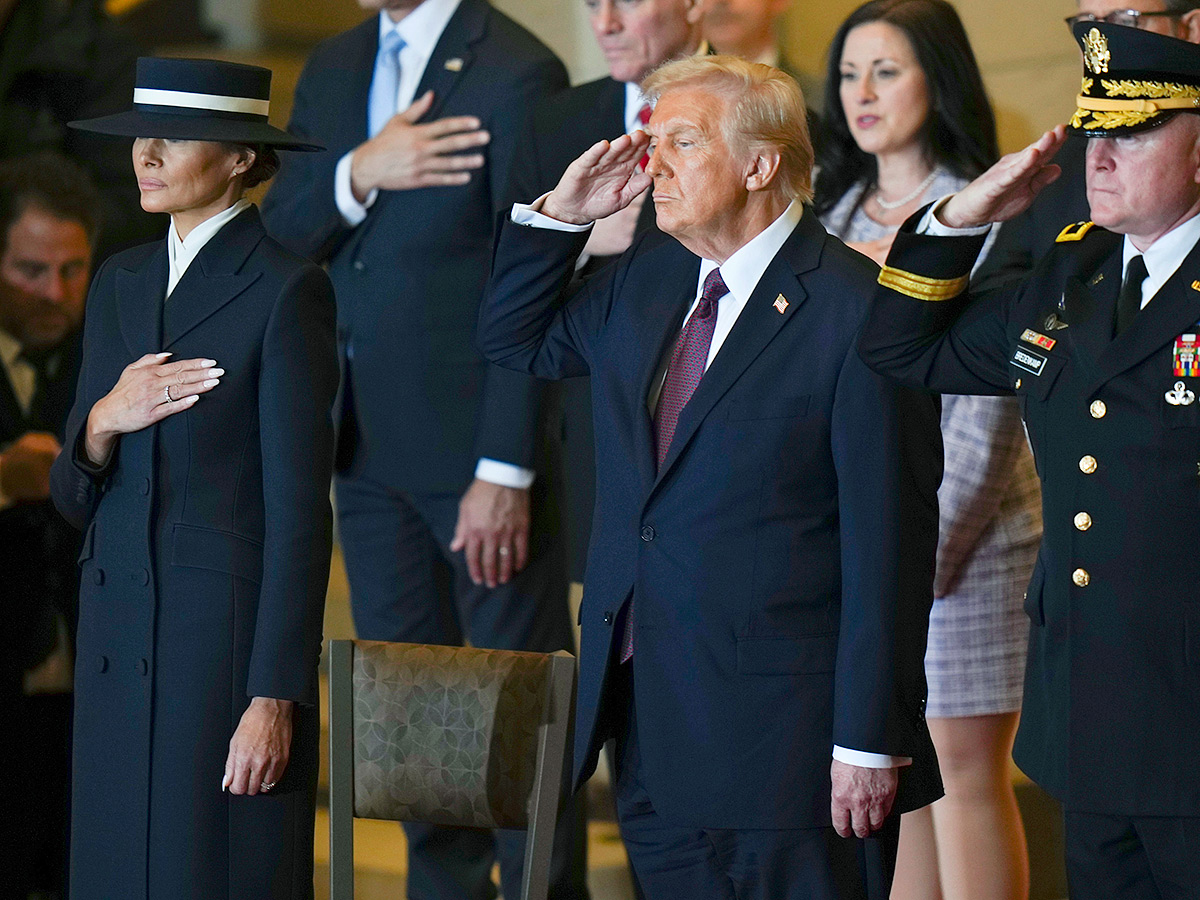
684,372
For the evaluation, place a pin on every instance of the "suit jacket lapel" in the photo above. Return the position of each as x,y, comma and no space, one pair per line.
1174,310
140,294
663,319
354,81
12,419
212,280
453,54
755,328
1089,301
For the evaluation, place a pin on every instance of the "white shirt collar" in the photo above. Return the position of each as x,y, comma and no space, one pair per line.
10,349
421,29
1164,256
742,271
180,253
634,101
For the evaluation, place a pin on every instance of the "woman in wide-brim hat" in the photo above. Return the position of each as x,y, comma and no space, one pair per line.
198,459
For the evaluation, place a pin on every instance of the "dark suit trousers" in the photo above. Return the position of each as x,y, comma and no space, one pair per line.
406,585
675,861
1132,857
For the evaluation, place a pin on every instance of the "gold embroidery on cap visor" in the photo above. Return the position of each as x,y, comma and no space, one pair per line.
920,287
1140,101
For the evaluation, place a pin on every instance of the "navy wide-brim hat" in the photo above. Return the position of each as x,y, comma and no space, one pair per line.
1133,80
199,100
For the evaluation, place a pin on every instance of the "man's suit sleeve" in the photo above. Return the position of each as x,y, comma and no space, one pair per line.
512,401
300,210
888,454
926,329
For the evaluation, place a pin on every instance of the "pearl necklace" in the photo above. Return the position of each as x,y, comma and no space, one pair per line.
890,205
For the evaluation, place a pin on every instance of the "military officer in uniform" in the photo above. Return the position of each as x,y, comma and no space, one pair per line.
1099,344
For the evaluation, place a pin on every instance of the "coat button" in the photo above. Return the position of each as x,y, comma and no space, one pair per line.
1087,465
102,664
142,576
608,617
648,533
1081,578
1097,409
144,666
98,576
144,486
358,265
1017,385
1083,521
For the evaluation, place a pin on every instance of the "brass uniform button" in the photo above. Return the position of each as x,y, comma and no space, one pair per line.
1097,409
1017,386
1081,577
1087,465
1083,521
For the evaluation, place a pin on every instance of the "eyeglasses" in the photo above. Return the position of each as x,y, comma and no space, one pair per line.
1130,18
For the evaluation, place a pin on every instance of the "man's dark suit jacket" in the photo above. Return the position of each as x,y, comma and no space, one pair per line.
419,404
781,560
563,127
1111,720
37,547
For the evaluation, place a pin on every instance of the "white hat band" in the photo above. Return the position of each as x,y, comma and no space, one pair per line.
188,100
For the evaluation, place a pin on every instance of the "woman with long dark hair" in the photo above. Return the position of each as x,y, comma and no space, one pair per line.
907,121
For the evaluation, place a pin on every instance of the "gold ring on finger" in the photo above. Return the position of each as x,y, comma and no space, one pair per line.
503,551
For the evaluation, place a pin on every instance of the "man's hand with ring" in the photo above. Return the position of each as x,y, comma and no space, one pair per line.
492,531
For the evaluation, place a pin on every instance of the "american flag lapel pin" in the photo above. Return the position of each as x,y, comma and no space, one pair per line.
455,64
781,304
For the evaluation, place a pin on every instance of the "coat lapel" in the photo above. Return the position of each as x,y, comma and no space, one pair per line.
140,294
453,54
755,328
1174,310
1088,304
213,279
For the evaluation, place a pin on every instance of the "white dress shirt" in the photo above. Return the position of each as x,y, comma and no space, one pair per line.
421,30
741,274
180,253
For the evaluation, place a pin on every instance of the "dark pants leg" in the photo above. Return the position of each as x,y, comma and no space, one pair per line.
1132,857
675,861
405,585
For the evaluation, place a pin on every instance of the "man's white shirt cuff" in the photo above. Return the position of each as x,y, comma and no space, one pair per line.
504,474
930,224
343,194
528,214
869,760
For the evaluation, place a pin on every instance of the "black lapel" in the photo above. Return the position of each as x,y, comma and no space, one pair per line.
1089,301
353,80
1174,310
755,328
12,420
140,294
213,278
452,55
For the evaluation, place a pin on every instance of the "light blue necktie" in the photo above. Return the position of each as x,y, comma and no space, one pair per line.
385,83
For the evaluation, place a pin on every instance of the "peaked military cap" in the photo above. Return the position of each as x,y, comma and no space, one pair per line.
1133,79
199,100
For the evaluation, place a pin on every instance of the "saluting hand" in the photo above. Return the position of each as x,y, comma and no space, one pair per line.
405,155
604,180
149,390
1008,188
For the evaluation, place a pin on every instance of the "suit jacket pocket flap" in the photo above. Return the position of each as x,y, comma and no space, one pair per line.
220,551
808,655
767,407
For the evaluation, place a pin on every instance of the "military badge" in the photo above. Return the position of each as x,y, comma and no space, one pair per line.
1039,340
1095,52
1186,363
1180,395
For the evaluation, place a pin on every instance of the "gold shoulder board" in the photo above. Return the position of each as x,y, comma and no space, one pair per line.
1074,232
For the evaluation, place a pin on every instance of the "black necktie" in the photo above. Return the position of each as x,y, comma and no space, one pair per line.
1129,301
42,361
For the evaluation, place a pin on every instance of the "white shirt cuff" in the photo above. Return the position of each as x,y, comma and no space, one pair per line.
930,224
504,474
869,760
530,214
352,211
